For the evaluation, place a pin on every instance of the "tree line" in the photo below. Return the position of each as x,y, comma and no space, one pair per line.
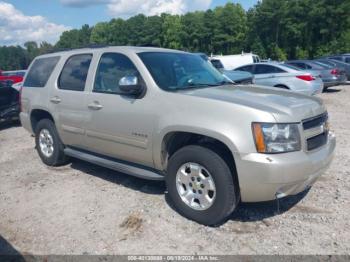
276,29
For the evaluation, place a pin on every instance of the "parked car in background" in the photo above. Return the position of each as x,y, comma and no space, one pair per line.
9,101
239,77
286,77
342,57
331,76
339,64
12,76
230,62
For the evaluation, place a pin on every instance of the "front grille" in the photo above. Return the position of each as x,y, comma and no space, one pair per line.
315,122
316,131
317,141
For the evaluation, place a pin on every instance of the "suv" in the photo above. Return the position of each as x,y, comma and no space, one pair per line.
169,115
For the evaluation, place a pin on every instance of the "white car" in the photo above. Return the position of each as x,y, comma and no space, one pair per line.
285,76
230,62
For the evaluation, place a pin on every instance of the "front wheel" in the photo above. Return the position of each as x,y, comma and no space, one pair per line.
200,185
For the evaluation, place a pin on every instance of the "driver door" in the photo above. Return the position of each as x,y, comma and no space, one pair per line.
118,126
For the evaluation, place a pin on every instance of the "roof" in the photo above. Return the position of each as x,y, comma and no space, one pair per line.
132,49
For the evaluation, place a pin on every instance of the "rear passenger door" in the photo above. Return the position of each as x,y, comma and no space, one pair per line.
68,99
118,126
268,75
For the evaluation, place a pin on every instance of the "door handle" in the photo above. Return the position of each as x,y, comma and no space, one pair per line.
55,100
95,106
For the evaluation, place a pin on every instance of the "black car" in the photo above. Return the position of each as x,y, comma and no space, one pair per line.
9,101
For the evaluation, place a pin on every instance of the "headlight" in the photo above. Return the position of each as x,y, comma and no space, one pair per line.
276,138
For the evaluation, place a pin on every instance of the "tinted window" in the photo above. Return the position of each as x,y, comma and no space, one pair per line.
267,69
248,68
111,69
347,60
74,73
336,58
300,65
40,71
217,64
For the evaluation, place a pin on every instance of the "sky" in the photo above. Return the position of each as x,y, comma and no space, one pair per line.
45,20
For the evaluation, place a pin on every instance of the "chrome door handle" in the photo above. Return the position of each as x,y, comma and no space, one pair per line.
55,100
95,106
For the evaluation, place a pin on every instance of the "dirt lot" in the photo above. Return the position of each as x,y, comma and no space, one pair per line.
85,209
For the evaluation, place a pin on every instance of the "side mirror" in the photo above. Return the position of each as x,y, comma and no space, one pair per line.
129,86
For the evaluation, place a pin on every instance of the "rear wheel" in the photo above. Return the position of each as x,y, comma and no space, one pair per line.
200,185
48,144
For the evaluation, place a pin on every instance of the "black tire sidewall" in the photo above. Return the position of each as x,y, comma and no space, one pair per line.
225,200
58,147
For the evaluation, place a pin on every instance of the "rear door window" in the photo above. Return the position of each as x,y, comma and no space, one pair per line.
248,68
40,71
267,69
74,73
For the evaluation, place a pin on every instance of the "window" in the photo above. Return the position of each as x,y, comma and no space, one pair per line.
74,73
217,63
40,71
267,69
248,68
300,65
112,68
174,71
347,59
256,59
336,58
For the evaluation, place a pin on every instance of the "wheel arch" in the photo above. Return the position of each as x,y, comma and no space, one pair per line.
173,140
38,114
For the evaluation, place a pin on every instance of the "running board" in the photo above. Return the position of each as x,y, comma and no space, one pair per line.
114,165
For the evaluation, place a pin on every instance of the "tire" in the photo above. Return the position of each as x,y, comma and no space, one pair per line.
57,157
225,200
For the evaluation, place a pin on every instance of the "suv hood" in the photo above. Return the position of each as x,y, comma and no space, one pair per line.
284,105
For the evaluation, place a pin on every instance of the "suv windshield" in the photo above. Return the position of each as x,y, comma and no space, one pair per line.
181,71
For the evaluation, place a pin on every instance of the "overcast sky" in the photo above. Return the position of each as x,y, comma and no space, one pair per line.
45,20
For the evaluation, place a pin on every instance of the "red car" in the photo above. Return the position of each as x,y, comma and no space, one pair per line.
12,76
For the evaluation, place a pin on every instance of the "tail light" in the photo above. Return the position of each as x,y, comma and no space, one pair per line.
335,72
306,77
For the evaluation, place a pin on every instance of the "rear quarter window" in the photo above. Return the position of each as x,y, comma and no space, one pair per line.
41,71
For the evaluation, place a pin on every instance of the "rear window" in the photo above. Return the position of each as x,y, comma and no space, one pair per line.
74,73
217,63
40,71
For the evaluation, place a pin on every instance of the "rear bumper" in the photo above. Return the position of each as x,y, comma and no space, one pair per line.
25,121
264,177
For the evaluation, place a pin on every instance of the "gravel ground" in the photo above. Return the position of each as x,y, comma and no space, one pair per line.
85,209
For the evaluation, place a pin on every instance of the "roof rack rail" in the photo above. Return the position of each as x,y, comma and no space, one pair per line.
56,50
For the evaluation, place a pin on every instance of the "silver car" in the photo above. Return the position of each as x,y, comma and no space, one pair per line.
169,115
331,76
286,77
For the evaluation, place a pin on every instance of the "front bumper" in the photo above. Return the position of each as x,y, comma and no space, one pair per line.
264,177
